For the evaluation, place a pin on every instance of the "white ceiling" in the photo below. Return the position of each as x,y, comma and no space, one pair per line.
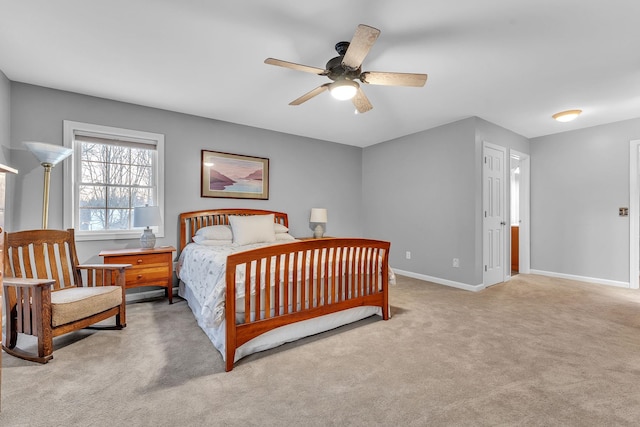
511,62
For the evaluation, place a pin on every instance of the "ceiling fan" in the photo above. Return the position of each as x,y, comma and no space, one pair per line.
347,67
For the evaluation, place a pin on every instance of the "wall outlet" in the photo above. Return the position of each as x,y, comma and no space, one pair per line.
407,255
456,262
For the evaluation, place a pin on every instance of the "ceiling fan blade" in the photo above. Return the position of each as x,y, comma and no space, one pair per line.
307,96
294,66
393,79
364,37
361,101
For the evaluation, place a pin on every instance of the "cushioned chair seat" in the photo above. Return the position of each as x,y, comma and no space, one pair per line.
71,304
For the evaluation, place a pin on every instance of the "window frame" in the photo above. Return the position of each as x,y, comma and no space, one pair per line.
70,183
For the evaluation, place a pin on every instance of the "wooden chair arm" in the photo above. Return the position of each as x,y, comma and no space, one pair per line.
26,283
105,274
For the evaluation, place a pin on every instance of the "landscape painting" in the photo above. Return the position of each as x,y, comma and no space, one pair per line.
234,176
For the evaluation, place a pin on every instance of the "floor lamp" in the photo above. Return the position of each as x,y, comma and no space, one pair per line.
48,155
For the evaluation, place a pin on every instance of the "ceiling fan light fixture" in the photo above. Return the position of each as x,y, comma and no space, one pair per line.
566,116
343,89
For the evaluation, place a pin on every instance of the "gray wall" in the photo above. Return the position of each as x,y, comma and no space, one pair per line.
304,173
487,131
423,192
579,180
419,193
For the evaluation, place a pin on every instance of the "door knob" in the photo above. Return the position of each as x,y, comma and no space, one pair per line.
503,223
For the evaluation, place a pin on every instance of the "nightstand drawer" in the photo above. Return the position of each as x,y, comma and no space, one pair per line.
139,260
137,276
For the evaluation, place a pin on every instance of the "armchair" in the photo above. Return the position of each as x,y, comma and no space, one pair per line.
44,292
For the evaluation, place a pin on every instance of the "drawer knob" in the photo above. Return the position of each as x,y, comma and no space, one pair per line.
139,276
139,261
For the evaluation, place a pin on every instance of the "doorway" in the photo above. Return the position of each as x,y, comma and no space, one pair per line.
514,212
520,172
496,214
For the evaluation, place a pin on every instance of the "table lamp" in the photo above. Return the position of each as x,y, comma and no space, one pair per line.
147,216
319,217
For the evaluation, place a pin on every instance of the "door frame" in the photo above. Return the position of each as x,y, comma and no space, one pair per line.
505,178
524,248
634,215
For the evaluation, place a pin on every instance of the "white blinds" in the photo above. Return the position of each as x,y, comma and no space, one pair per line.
144,144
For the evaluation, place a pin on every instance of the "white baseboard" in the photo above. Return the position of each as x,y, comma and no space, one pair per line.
145,295
581,278
459,285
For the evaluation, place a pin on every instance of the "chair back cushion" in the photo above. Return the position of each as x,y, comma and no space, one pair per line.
43,254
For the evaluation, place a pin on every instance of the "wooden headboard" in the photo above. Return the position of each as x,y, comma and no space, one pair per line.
191,222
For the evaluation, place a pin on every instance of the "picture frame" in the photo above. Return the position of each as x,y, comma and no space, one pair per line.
234,176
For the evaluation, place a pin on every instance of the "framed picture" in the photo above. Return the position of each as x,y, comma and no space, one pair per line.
234,176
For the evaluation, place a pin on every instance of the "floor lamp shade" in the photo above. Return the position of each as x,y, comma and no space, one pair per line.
147,216
48,155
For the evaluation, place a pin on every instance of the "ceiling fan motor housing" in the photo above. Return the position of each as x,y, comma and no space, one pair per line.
335,68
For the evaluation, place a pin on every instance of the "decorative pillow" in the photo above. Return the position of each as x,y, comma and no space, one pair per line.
252,229
284,236
215,232
279,228
202,240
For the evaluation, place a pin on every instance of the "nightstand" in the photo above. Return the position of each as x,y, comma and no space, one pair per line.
150,267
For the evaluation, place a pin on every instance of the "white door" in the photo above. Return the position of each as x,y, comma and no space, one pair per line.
494,174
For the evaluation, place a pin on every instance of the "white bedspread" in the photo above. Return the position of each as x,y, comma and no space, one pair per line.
203,268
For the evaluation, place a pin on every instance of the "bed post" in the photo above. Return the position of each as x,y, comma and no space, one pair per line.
385,284
230,318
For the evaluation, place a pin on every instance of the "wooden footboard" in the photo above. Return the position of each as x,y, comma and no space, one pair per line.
288,283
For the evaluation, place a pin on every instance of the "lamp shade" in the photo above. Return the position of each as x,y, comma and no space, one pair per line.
343,89
318,215
48,153
146,216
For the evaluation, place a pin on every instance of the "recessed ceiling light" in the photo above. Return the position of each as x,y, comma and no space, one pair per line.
566,116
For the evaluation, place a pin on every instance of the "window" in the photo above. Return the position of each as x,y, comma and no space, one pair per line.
113,170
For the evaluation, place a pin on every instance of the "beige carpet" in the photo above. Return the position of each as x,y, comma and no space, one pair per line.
534,351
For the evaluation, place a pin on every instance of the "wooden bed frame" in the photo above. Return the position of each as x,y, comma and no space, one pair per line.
357,275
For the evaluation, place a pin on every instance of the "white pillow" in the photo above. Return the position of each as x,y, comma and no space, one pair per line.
215,232
201,240
284,236
279,228
252,229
